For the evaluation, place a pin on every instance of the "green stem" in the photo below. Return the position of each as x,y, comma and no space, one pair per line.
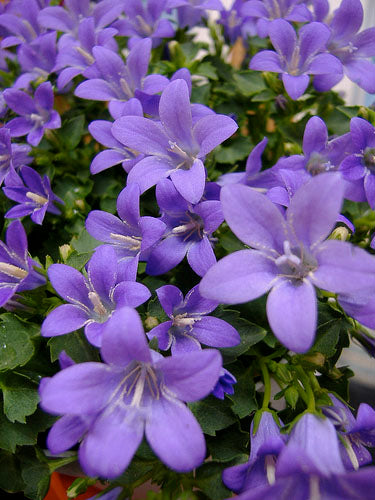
308,390
267,384
57,463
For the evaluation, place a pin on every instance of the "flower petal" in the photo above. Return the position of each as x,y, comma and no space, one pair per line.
292,314
64,319
239,277
175,435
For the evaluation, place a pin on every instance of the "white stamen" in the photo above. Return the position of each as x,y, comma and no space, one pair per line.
40,200
130,242
97,303
13,271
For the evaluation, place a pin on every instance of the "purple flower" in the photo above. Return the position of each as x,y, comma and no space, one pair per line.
266,444
12,156
188,231
37,60
110,79
135,391
352,48
355,434
253,176
189,325
34,195
16,267
360,166
235,23
190,12
21,20
322,154
289,257
67,19
360,306
224,385
177,147
37,114
130,235
296,59
143,20
92,300
75,55
268,10
101,130
310,466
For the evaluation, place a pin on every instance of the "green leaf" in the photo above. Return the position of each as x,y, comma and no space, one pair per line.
249,82
10,473
207,69
239,149
20,396
250,333
75,345
213,414
16,346
228,444
201,94
243,399
72,131
12,435
36,476
78,260
264,96
84,242
16,434
208,478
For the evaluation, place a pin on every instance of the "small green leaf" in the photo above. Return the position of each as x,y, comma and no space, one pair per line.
16,346
239,149
208,478
72,131
212,414
10,473
35,474
249,82
75,345
228,444
244,402
20,396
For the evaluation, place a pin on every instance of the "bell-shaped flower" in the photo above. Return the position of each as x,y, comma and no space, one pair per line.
191,12
189,325
12,156
360,165
37,60
297,58
134,392
16,267
101,130
110,79
144,20
175,148
225,384
92,299
67,18
253,176
32,193
289,257
75,54
188,231
268,10
352,48
130,235
21,21
310,467
355,433
265,445
36,115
